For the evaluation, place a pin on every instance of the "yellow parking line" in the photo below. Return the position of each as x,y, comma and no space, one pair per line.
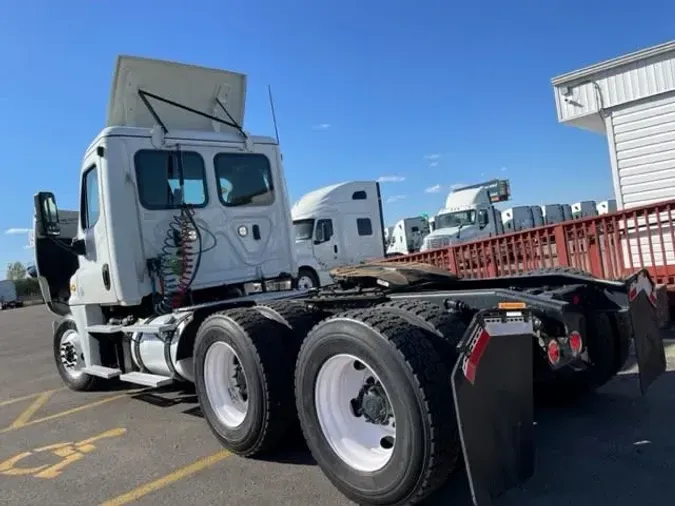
164,481
30,411
73,410
26,397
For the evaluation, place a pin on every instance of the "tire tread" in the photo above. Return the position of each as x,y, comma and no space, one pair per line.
431,377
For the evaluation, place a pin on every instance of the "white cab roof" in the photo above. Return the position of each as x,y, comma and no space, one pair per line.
324,198
189,85
463,199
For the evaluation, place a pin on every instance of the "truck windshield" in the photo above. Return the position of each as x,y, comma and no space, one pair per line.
303,229
455,219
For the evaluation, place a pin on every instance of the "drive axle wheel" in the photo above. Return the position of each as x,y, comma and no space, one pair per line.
355,413
70,358
375,407
244,379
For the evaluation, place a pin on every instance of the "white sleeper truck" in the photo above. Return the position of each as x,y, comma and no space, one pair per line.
337,225
180,269
407,236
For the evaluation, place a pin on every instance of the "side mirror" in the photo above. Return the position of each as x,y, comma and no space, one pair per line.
482,219
47,213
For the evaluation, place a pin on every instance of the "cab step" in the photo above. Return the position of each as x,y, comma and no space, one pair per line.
146,379
102,372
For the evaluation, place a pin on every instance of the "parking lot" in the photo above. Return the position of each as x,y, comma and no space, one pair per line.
138,446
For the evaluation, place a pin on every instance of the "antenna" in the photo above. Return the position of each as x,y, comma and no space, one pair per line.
274,116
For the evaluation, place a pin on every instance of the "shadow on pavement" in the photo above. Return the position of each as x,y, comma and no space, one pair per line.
613,447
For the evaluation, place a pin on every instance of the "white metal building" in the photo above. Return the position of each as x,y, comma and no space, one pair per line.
632,100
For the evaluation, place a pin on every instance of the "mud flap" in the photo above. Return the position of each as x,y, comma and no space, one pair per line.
492,385
649,348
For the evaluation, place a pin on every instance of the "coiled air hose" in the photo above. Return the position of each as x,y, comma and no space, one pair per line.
179,259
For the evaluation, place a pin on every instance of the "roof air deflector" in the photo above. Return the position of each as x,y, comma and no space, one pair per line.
148,92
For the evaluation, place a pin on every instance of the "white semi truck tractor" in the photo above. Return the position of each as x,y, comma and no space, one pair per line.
181,267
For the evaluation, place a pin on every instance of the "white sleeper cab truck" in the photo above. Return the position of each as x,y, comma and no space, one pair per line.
396,375
407,236
337,225
469,214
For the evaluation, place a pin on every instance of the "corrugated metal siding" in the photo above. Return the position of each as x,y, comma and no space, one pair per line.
617,87
644,142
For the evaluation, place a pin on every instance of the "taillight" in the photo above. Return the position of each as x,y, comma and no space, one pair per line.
575,342
553,351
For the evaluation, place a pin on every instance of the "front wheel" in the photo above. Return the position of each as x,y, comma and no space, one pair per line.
307,279
69,358
375,407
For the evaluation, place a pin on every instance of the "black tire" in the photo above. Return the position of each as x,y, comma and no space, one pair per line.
309,273
83,383
261,344
296,315
602,348
447,326
416,379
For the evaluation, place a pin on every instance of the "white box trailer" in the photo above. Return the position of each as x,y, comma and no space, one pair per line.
517,218
8,297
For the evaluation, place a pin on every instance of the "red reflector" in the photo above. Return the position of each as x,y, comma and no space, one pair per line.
476,351
553,352
575,342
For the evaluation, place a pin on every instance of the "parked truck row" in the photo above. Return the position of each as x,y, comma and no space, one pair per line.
470,214
180,267
343,224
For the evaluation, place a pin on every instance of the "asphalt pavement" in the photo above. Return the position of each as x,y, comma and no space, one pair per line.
136,446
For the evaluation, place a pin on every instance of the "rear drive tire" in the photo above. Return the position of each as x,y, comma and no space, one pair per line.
398,464
244,379
295,315
448,327
67,347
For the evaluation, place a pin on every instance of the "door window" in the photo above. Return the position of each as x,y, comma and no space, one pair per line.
324,230
89,207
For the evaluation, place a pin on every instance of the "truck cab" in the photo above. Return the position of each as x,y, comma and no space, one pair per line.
407,236
337,225
177,203
469,214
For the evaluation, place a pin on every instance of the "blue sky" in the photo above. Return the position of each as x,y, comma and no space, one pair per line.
418,94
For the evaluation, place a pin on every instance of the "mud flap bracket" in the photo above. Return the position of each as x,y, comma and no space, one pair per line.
492,385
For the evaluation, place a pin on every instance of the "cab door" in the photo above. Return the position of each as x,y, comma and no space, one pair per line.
93,281
326,247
